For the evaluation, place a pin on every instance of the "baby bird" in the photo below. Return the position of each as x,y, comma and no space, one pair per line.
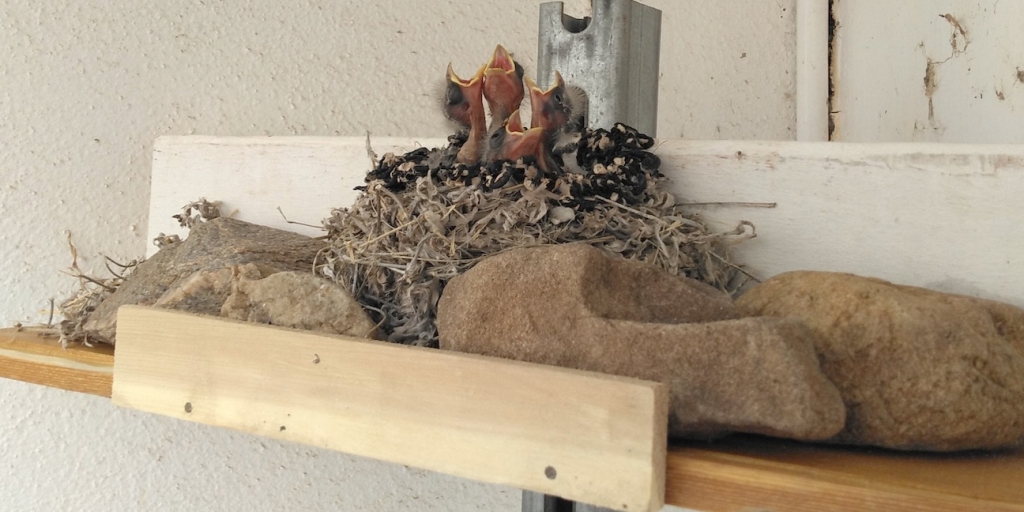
551,109
556,112
510,141
503,87
464,104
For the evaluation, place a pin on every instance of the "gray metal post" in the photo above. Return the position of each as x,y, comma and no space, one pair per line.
613,57
539,502
583,507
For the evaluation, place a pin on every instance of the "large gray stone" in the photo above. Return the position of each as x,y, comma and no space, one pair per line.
918,369
573,306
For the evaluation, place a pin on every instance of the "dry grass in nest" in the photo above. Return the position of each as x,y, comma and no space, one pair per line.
90,293
411,231
396,249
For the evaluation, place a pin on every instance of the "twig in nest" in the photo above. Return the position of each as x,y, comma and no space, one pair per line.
370,153
205,210
91,291
737,268
733,203
76,272
163,240
124,266
279,210
631,210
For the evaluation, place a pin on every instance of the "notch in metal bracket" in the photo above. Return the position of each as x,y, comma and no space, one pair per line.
613,57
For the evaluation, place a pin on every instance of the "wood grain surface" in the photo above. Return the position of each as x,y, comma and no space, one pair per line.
29,355
748,472
583,436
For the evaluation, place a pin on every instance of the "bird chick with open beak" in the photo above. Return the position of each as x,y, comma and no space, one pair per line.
555,112
503,87
551,110
511,141
464,104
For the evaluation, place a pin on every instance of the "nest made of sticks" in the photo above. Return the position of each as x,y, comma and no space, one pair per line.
423,219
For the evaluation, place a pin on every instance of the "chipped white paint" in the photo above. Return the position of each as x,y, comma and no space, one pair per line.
930,70
85,89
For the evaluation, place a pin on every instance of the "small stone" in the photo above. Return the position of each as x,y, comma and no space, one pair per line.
918,369
211,247
574,306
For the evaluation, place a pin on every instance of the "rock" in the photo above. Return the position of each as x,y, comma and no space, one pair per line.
918,369
250,293
300,300
211,246
573,306
205,291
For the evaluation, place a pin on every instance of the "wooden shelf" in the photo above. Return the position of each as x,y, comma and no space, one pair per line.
34,355
732,474
744,472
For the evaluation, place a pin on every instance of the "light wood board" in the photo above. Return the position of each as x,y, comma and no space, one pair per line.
583,436
947,217
747,472
29,356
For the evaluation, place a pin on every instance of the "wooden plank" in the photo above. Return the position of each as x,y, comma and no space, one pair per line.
940,216
745,472
582,436
29,356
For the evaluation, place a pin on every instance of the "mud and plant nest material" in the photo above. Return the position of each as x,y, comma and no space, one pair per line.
92,290
422,219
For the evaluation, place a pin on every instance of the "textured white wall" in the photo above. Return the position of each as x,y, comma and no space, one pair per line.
86,86
930,70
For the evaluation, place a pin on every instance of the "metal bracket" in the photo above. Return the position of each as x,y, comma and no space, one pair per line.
537,502
613,57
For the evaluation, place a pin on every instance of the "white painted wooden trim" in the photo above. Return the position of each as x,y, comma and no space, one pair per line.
254,176
948,217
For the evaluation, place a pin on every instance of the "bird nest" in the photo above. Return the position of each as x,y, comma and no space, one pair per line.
428,215
423,219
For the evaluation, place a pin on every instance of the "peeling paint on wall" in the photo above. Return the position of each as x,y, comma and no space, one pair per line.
929,70
958,42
